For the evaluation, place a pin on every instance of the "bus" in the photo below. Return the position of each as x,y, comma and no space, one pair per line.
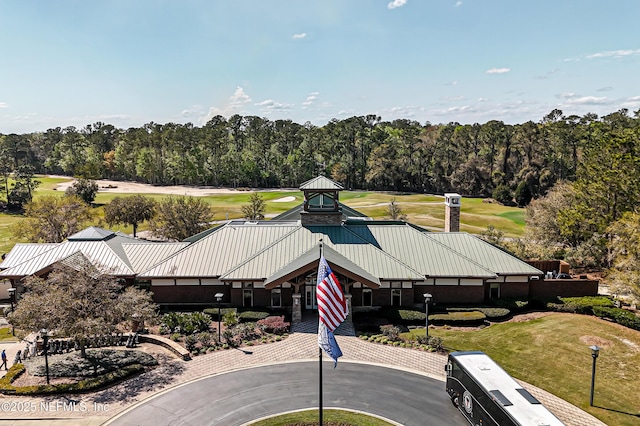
487,395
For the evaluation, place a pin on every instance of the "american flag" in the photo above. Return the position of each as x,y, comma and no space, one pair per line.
332,309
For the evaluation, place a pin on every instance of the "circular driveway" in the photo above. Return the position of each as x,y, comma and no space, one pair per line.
239,397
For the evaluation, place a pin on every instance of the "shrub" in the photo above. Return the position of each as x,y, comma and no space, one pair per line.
175,337
493,313
213,312
458,318
190,342
172,321
435,342
276,325
406,316
619,315
252,316
230,319
580,305
390,331
205,339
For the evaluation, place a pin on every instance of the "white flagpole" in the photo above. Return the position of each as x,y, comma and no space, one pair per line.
319,353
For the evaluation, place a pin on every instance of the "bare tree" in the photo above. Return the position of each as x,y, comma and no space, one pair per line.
79,301
394,211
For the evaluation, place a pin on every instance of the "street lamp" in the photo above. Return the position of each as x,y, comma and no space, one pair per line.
218,297
45,337
12,296
595,350
427,299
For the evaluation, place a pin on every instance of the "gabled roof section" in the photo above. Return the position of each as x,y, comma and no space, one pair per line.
486,254
311,258
366,254
22,251
92,233
221,250
416,250
294,213
97,252
321,183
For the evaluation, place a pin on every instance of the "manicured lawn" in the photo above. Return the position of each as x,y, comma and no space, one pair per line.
329,417
553,353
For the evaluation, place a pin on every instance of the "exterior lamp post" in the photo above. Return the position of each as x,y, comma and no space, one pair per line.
45,337
218,297
12,296
595,350
427,299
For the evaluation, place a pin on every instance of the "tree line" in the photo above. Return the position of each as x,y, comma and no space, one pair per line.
513,163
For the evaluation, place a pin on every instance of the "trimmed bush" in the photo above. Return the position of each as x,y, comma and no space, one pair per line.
252,316
406,316
275,325
619,315
491,313
213,312
580,305
458,318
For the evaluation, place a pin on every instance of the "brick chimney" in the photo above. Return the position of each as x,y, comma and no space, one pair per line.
452,212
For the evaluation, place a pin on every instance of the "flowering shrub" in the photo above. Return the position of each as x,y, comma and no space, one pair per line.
275,325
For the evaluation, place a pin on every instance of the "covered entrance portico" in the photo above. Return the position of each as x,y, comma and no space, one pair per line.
302,275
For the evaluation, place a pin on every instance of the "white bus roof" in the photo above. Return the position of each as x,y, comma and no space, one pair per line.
515,400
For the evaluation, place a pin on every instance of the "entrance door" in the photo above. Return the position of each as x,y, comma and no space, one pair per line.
310,300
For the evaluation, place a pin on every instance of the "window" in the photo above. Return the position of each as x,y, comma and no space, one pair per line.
367,298
396,297
321,202
276,297
247,297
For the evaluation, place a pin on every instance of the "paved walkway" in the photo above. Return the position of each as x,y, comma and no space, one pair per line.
97,408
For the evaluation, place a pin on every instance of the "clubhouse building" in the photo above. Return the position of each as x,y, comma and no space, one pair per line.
273,263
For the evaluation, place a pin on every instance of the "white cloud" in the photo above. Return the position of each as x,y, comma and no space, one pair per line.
234,106
483,99
498,70
310,99
605,89
571,99
299,36
270,105
239,98
458,3
614,54
587,100
396,3
4,105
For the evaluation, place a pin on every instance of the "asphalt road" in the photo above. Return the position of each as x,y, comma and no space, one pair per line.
235,398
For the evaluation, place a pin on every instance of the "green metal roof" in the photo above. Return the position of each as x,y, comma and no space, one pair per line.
321,183
486,254
221,250
417,251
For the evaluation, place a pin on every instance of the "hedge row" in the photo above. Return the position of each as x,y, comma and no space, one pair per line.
458,318
491,313
580,305
91,384
619,315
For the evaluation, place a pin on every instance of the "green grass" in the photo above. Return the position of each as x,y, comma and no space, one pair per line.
553,353
311,416
6,335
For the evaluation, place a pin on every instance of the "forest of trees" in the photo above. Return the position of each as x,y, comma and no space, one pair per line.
579,177
511,162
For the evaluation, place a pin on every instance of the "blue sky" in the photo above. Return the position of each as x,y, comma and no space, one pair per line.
130,62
